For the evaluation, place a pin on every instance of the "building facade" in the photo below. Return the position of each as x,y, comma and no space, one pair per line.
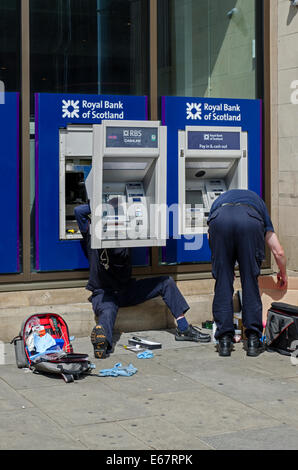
197,49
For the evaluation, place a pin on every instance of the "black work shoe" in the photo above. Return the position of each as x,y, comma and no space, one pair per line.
254,345
192,334
225,346
99,342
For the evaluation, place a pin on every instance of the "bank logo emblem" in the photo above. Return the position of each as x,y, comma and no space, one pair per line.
194,111
70,109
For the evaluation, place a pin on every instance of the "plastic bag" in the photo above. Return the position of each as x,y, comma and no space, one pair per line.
32,325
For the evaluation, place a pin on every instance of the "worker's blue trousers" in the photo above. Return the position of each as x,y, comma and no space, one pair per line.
106,302
236,234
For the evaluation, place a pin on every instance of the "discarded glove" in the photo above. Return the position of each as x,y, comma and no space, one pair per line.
118,370
42,343
145,355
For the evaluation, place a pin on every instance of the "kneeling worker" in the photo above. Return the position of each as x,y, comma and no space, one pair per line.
112,287
239,225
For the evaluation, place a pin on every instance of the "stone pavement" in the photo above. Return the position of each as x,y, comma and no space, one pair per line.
185,398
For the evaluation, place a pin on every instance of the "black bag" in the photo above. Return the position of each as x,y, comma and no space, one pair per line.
282,328
58,359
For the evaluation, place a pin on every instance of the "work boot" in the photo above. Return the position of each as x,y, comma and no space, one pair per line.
254,345
192,334
99,342
225,346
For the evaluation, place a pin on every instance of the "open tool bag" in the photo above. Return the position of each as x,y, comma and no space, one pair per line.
43,345
282,328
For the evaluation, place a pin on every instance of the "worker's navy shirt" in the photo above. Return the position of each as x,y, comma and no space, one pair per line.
110,268
244,196
118,262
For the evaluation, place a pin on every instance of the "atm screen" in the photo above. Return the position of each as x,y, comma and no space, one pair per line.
194,198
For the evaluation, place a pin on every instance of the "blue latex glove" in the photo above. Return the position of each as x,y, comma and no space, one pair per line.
42,343
145,355
118,370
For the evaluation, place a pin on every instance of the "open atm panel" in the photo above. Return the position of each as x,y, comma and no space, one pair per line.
214,189
75,162
114,213
124,209
199,198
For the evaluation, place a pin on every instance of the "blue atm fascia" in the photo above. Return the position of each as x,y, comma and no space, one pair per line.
181,112
53,112
9,188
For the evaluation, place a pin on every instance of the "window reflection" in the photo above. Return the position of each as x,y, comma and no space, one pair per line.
10,73
209,48
89,46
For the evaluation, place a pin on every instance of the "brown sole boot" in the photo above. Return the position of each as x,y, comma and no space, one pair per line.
99,342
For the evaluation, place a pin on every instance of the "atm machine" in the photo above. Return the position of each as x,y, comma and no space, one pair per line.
127,184
75,162
212,160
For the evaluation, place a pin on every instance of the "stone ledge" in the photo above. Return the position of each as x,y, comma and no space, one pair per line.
80,294
150,315
72,304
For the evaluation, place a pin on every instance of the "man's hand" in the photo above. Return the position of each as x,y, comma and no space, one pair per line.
280,258
282,280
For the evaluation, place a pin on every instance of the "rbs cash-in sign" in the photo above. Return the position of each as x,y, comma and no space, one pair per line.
214,140
133,137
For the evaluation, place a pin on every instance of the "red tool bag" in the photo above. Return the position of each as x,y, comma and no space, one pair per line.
43,345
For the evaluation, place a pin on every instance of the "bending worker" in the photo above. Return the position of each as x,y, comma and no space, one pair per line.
112,287
239,225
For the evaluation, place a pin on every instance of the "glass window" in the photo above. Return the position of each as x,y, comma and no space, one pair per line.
209,48
89,46
85,47
10,73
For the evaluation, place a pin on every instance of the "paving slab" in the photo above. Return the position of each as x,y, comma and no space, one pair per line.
145,383
86,402
185,397
31,429
244,379
160,434
205,412
108,436
282,409
275,438
10,400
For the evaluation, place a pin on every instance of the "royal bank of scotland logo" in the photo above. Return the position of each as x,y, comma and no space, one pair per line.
194,111
70,109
